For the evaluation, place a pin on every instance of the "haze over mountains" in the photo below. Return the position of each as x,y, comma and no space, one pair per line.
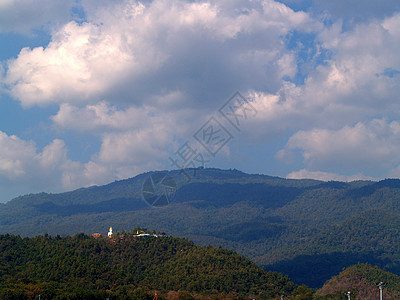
307,229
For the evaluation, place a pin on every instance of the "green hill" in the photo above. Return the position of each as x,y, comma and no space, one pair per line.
361,280
129,267
307,229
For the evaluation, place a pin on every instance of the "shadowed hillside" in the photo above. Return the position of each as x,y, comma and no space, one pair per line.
281,224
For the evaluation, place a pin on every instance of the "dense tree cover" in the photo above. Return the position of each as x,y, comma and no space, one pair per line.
361,280
129,267
307,229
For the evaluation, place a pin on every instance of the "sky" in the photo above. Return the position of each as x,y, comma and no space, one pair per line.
93,91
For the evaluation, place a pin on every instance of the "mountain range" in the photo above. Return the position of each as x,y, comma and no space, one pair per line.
307,229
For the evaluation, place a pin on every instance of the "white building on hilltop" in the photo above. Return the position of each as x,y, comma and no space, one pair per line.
110,233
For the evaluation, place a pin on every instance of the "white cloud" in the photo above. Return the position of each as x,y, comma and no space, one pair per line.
326,176
133,140
80,62
99,117
130,52
339,93
352,76
121,156
359,81
158,67
53,156
138,75
21,164
15,155
374,144
134,146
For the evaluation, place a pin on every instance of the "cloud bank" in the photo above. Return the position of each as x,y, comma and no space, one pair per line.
144,76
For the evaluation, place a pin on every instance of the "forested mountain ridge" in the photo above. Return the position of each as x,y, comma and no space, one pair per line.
127,266
307,229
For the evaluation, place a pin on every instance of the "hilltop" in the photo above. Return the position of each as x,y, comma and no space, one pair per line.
128,266
140,264
307,229
361,280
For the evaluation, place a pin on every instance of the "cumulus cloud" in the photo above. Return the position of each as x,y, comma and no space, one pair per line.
123,155
99,117
133,139
358,81
104,117
373,144
158,68
351,85
353,74
15,154
131,52
139,76
22,164
77,64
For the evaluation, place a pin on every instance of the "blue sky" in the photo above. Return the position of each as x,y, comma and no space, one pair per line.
93,91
